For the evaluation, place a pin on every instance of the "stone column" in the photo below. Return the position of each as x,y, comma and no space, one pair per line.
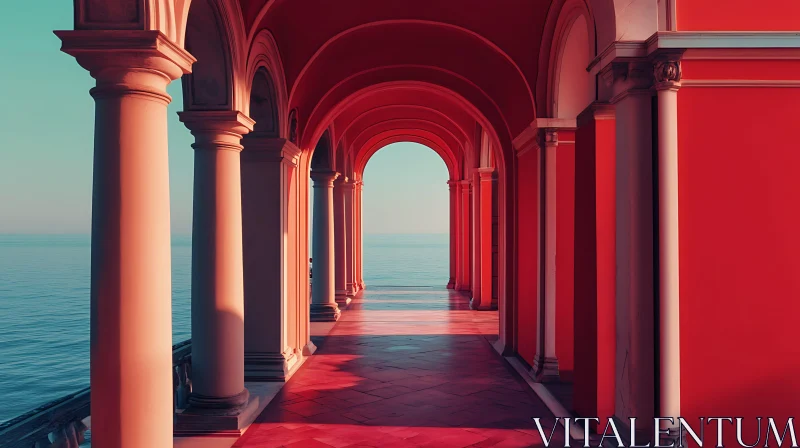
476,235
217,266
131,330
484,213
546,362
323,303
350,284
340,241
668,77
465,235
270,289
451,282
359,220
458,238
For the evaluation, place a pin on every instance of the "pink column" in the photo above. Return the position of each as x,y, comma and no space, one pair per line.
351,284
131,332
323,303
484,213
217,278
359,220
270,272
465,235
668,77
546,362
451,283
475,248
340,241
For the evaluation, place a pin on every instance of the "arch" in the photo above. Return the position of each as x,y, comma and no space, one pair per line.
264,55
361,164
213,32
561,19
385,138
385,23
210,85
264,106
570,88
322,157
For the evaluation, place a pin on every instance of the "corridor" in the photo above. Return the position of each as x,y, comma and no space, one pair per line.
404,367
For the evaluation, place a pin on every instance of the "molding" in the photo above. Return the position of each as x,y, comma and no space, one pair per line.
722,40
526,139
786,83
617,51
98,48
556,123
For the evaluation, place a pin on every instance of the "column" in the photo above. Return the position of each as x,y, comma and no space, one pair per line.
465,235
340,241
475,248
459,238
451,283
668,77
594,280
350,285
632,88
270,280
484,227
323,303
131,329
217,266
360,234
546,362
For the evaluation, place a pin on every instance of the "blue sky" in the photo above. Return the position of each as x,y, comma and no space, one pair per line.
46,144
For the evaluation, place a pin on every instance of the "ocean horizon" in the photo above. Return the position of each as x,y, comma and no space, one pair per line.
44,303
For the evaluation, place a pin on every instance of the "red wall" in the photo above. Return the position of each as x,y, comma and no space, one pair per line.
738,15
594,277
739,158
527,252
565,242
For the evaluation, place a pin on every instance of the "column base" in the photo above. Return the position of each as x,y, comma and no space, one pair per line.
477,306
362,285
309,349
325,312
195,421
451,284
545,370
343,300
269,366
675,437
351,289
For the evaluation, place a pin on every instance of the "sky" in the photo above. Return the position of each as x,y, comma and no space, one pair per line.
46,144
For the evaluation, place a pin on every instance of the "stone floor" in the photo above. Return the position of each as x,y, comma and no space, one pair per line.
405,367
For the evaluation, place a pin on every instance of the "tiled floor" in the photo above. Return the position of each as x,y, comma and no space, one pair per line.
408,367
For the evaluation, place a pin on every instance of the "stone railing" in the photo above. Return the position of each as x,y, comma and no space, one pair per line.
63,423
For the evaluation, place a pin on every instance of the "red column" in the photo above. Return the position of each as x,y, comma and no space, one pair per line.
351,284
485,240
465,235
475,241
595,259
451,283
527,250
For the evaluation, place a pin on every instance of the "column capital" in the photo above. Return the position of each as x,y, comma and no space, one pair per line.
667,72
340,181
349,184
324,178
125,61
485,173
270,149
217,129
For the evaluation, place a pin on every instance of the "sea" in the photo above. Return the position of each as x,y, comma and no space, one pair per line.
44,304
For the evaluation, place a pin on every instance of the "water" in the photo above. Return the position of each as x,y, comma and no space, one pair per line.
44,304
